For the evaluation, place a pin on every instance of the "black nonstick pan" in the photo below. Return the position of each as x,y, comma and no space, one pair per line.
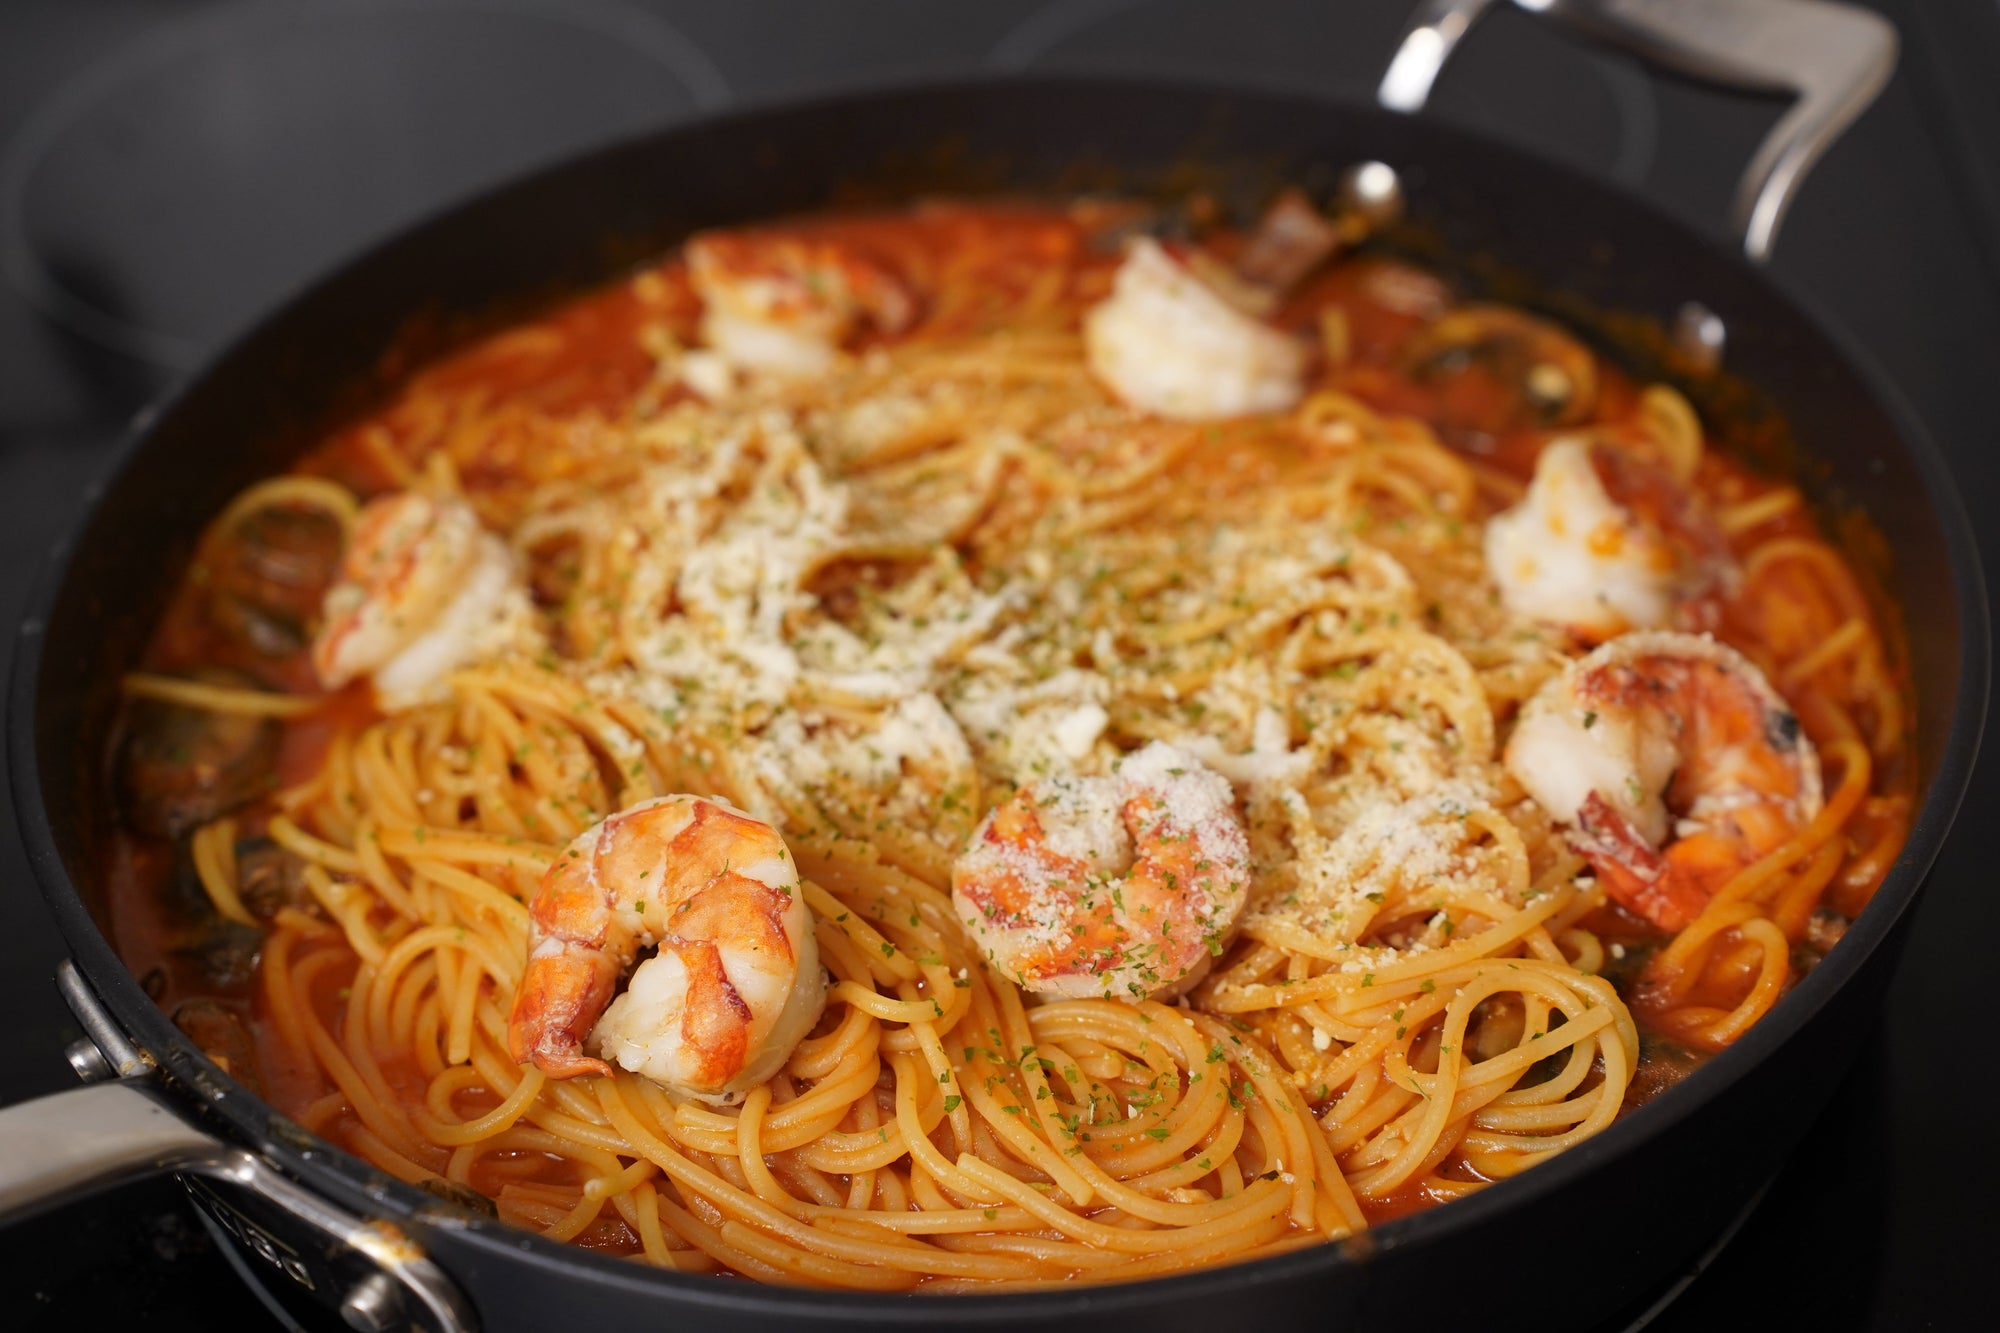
332,1240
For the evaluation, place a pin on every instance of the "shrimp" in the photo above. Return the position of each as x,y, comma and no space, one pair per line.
423,589
1674,761
1122,886
736,982
1606,542
782,304
1166,342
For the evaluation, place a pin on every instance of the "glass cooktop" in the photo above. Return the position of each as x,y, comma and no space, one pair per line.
170,171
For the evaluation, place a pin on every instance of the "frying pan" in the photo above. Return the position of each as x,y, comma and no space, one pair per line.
328,1239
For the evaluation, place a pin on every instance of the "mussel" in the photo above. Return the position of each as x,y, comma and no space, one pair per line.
224,1037
226,952
269,877
464,1196
1497,370
222,951
267,575
180,767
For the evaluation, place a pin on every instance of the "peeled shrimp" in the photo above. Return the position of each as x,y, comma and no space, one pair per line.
735,984
1121,886
1605,542
1166,342
781,305
1674,761
423,589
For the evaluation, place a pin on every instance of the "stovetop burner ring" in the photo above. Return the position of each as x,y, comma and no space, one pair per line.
241,78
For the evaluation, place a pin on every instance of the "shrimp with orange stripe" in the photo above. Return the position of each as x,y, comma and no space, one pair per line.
1675,762
735,983
423,589
1126,886
780,304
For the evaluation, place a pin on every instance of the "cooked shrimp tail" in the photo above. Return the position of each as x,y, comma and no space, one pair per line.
1634,874
562,994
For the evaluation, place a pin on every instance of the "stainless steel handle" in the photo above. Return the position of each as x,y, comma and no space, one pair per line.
58,1147
1833,58
72,1143
1434,31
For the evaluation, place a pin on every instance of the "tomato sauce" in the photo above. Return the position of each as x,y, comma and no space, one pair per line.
515,410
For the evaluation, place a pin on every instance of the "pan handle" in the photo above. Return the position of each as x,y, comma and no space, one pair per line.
124,1125
69,1144
1833,59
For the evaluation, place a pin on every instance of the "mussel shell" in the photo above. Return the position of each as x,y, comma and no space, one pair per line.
226,952
1539,375
462,1195
269,877
222,1032
181,767
268,574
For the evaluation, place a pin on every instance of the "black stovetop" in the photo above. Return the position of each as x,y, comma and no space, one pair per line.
170,170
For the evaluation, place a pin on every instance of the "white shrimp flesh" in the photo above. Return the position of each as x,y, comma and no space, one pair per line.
783,305
423,590
1169,343
1604,543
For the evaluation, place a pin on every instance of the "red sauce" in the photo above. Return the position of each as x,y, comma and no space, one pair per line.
530,398
305,741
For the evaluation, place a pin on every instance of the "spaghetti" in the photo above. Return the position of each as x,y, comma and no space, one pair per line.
869,604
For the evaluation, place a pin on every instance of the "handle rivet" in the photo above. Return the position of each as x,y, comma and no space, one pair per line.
88,1062
373,1306
1372,192
1700,335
